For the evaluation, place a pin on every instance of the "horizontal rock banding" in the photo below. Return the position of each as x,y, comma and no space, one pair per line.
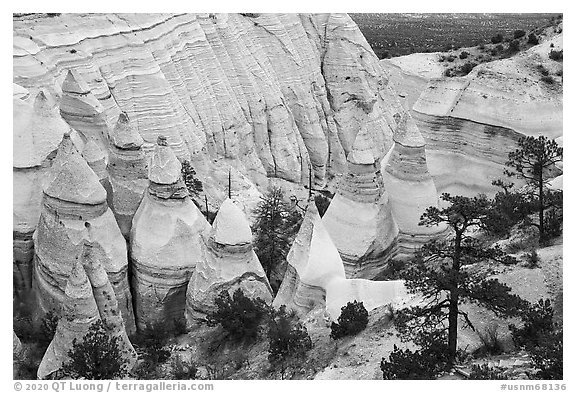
228,263
359,218
37,130
74,209
165,242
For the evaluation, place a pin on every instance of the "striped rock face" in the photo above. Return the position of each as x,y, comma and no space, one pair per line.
410,187
74,209
37,131
165,242
228,263
359,218
273,94
128,172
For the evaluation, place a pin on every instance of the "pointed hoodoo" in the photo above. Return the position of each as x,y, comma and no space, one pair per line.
165,241
74,208
37,131
78,314
359,218
92,257
82,110
410,186
313,262
228,263
128,172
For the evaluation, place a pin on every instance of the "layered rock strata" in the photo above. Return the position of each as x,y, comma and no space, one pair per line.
37,131
128,172
315,277
165,242
270,94
313,261
83,111
359,218
228,263
89,298
406,174
74,209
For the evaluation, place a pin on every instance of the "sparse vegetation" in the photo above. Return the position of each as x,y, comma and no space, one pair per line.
239,315
532,39
352,320
289,340
490,338
556,55
497,38
97,356
275,227
519,34
547,79
485,372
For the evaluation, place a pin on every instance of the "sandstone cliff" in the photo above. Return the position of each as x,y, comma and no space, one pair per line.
269,93
470,123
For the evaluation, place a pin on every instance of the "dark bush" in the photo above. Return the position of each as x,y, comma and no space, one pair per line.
352,320
466,68
507,209
491,343
547,79
151,345
519,34
486,372
424,363
481,46
189,176
464,54
553,221
497,38
556,55
97,356
537,319
532,259
238,315
451,58
532,39
514,46
547,357
289,340
499,47
182,370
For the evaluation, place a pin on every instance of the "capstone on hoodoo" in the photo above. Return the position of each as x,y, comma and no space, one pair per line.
165,242
228,263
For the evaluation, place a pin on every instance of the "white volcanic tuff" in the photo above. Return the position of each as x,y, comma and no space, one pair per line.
359,218
79,313
128,172
250,89
406,174
37,130
93,255
357,85
89,298
74,209
315,277
228,262
82,110
313,261
165,242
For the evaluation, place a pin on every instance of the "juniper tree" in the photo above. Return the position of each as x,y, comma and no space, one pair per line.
444,274
97,356
533,162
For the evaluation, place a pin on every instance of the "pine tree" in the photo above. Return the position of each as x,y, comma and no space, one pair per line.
275,226
441,275
533,162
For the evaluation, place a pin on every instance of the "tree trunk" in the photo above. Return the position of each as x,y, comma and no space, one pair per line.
541,203
454,298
